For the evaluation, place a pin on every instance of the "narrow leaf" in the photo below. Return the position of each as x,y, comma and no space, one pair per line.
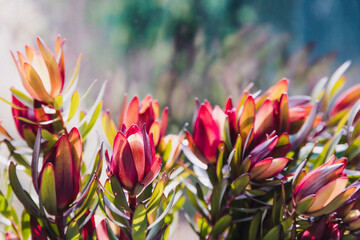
139,222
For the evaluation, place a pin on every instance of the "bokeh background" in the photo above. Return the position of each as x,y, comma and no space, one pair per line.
181,49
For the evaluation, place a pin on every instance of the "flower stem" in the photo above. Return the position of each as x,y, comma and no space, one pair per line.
60,224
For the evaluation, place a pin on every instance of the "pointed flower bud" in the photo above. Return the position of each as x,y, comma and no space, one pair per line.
134,162
145,112
324,187
42,73
207,133
60,175
35,115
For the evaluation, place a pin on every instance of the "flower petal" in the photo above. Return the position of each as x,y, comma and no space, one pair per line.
263,149
346,99
135,139
264,121
284,123
76,149
247,118
259,168
327,193
64,174
276,166
34,81
206,134
122,162
164,121
132,113
153,172
52,67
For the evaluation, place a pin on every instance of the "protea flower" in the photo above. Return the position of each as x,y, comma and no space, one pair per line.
145,112
208,132
36,114
323,189
134,162
346,100
42,73
171,143
323,229
262,167
59,178
349,212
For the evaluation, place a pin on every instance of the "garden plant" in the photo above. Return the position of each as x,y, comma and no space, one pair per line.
264,165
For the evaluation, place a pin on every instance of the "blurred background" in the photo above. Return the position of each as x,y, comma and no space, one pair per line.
181,49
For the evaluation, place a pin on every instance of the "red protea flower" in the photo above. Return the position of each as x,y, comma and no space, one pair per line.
145,112
35,114
89,228
134,162
59,178
323,229
346,100
42,73
325,187
208,132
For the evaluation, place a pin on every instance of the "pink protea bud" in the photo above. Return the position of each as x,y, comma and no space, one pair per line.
207,132
42,73
35,114
324,188
134,162
62,166
145,112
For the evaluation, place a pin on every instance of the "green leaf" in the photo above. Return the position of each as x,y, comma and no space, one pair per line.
329,149
194,201
236,160
48,137
155,197
23,98
93,119
72,232
48,190
203,226
58,102
139,222
19,158
4,207
25,225
305,203
254,226
297,172
154,230
287,223
119,194
274,233
221,225
217,197
23,196
11,104
110,233
219,165
169,206
353,150
239,184
74,105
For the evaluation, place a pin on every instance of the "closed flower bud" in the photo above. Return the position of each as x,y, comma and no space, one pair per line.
134,162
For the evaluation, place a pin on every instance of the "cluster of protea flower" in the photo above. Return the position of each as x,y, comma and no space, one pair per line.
271,166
